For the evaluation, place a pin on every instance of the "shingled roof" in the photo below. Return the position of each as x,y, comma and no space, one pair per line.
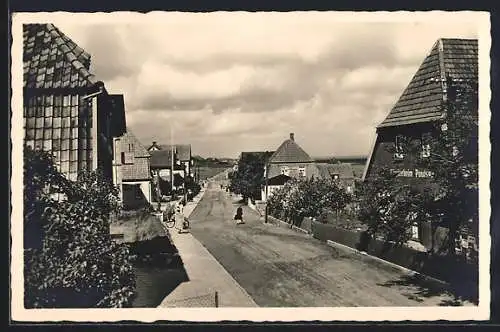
52,60
343,170
139,169
290,152
422,99
139,150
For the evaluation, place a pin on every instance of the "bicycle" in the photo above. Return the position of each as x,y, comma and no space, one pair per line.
171,223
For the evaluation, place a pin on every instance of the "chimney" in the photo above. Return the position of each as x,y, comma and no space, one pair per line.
292,137
154,142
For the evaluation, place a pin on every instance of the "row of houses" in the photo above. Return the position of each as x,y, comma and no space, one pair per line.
70,113
289,161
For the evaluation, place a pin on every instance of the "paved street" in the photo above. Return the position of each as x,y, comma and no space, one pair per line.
280,267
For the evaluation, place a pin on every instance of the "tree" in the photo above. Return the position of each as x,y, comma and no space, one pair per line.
71,260
389,208
453,161
247,181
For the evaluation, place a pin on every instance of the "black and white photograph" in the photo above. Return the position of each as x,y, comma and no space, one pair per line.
258,166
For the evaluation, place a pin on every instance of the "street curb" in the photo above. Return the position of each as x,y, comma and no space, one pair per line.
293,227
198,199
399,267
299,229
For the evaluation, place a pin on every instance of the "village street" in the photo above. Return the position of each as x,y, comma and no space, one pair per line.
280,267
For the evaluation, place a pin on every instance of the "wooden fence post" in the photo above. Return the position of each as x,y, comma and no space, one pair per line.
216,299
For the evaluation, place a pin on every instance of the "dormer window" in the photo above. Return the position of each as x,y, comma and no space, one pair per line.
398,144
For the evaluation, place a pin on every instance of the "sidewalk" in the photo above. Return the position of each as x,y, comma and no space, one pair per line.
207,277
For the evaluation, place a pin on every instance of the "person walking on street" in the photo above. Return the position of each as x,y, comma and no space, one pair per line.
239,216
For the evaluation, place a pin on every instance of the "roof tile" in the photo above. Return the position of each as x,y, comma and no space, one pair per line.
46,47
422,99
140,168
343,170
290,152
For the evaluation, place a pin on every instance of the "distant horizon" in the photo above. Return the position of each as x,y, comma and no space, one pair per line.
313,157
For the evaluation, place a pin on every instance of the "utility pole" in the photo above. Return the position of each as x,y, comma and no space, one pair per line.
184,184
158,192
267,178
172,158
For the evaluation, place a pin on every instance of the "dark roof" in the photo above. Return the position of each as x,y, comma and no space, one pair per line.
343,170
422,99
290,152
161,159
52,60
154,145
278,180
182,151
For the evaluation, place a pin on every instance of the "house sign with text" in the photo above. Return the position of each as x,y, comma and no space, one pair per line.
412,173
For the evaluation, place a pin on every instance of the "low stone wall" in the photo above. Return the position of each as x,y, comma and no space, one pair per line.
439,267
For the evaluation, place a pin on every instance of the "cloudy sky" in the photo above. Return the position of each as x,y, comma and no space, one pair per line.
230,82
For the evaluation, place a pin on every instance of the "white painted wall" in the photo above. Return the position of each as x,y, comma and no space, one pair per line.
270,190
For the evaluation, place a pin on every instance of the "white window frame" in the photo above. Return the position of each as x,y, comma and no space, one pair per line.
398,153
302,171
415,232
426,147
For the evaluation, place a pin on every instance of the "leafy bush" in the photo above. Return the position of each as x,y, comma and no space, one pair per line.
389,208
307,198
70,259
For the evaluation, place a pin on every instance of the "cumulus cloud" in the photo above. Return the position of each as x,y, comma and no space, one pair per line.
229,83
